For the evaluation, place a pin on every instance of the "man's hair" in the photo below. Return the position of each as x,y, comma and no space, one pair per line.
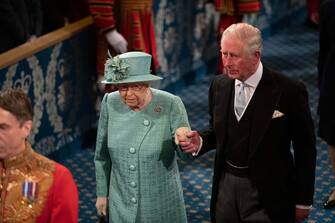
17,103
247,34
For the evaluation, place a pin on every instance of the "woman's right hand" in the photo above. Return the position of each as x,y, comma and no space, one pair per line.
189,141
101,206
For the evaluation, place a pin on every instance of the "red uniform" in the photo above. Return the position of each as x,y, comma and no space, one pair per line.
36,189
313,7
231,11
132,18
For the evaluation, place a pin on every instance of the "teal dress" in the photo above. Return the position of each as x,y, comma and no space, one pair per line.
135,159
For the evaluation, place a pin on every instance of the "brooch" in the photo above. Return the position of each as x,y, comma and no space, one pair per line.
158,109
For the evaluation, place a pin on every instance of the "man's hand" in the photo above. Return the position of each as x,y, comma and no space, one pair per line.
301,214
189,142
101,206
117,41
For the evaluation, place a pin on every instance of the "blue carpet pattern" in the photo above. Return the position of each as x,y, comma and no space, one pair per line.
292,52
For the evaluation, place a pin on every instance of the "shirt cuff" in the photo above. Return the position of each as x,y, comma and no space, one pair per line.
198,150
306,207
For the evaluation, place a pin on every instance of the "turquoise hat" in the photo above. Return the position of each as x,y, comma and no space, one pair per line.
128,67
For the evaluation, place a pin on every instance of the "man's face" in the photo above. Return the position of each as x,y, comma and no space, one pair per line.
238,63
12,134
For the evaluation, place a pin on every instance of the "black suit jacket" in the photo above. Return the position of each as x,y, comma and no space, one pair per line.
326,71
282,179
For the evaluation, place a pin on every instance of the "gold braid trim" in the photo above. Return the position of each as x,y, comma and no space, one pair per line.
225,7
32,166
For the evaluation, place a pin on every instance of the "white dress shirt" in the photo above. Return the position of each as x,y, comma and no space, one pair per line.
250,86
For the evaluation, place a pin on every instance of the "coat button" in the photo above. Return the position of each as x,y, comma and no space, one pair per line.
146,122
132,167
133,200
132,150
133,184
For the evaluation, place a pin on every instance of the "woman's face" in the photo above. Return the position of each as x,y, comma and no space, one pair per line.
134,95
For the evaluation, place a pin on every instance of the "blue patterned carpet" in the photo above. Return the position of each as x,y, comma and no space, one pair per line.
293,52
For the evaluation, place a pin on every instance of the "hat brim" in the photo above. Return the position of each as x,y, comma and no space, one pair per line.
134,79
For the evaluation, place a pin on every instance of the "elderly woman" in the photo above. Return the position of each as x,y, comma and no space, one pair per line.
135,158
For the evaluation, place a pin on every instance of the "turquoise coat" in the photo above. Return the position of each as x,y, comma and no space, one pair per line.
135,159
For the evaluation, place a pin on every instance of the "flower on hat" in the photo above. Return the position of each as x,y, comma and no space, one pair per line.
116,69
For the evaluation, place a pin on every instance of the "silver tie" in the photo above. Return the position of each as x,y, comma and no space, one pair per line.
240,100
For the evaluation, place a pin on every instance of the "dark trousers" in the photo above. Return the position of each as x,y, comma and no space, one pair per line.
238,201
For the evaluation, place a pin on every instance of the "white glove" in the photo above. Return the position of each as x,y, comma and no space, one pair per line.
32,38
117,41
101,206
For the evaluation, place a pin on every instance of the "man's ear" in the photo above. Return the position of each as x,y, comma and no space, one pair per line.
27,126
257,56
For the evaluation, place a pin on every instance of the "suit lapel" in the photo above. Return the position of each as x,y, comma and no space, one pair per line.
223,95
264,101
